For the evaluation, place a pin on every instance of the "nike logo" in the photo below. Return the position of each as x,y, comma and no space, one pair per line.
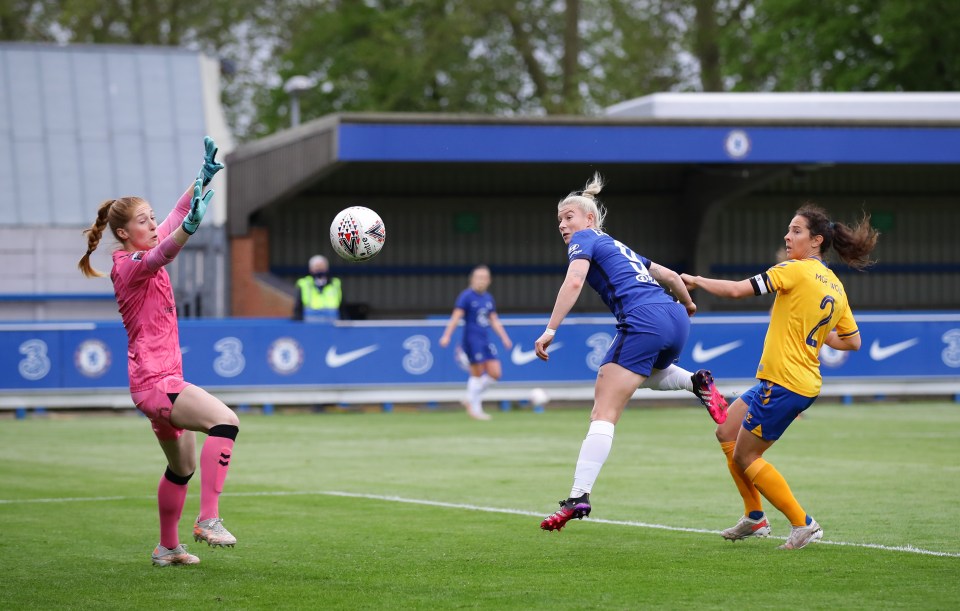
702,356
879,353
522,357
335,360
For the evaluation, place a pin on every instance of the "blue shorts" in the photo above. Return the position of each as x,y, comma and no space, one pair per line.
479,350
650,337
771,408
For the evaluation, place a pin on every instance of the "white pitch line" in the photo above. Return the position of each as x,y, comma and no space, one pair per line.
519,512
75,499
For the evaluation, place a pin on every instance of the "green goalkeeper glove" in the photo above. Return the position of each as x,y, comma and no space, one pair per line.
210,165
198,206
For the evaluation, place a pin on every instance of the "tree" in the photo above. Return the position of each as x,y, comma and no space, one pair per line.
706,45
517,57
506,57
843,45
509,57
26,20
429,56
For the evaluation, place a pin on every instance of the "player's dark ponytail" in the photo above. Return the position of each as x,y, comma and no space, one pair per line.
853,244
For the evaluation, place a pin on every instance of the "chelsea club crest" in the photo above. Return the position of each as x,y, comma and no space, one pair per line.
92,358
285,356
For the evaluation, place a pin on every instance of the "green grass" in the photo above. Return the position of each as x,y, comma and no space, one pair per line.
884,474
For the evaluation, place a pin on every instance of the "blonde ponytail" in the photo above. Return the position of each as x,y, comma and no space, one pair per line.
586,200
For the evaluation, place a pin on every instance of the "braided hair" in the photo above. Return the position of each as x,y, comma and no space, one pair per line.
113,212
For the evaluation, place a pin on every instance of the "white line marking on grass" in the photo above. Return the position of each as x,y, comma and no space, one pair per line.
519,512
76,499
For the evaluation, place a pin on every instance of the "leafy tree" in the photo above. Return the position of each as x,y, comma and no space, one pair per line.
505,57
843,45
429,56
706,44
633,48
151,22
517,57
26,20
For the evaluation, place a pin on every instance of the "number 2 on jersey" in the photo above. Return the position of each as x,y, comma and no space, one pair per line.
827,301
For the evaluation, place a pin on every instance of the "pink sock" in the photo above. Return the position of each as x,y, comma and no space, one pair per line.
214,464
170,498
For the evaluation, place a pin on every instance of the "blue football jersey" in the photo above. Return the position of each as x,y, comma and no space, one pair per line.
620,276
476,313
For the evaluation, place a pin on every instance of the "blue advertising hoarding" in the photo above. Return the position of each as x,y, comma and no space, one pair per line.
245,353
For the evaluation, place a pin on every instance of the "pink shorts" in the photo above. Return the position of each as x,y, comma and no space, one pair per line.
155,404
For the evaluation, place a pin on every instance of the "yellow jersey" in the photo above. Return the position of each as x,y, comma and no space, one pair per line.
810,302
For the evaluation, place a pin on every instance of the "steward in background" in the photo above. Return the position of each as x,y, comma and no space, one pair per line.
320,295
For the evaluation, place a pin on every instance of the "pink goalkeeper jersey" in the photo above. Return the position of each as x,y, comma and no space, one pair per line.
145,296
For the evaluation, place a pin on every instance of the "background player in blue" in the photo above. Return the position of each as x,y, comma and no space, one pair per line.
652,327
478,310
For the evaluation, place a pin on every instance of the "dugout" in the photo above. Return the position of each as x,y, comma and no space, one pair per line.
703,183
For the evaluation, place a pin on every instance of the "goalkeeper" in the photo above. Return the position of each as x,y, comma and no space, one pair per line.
175,408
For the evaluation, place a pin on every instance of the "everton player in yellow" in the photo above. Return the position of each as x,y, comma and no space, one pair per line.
810,310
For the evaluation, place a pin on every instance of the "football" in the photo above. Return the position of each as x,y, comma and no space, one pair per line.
539,396
357,233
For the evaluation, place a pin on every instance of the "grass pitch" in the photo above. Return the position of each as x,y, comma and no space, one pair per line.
431,510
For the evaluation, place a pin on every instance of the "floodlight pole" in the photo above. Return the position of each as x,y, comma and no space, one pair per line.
294,109
294,86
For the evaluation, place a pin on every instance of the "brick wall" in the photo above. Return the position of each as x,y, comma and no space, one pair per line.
250,297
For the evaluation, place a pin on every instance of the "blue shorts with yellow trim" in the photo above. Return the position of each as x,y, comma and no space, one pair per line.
771,408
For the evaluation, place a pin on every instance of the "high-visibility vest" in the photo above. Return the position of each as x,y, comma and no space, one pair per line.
320,305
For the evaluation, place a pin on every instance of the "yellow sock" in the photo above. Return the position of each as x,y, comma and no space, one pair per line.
772,485
749,492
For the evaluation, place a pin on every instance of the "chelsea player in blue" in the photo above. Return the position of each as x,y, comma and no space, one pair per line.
652,327
478,310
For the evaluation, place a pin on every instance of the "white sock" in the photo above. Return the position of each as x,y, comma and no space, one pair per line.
593,453
474,389
485,381
671,378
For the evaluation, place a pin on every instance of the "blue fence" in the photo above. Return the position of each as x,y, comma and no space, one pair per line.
280,354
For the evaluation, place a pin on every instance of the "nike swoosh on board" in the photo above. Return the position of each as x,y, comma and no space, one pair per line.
335,360
879,353
522,357
702,355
